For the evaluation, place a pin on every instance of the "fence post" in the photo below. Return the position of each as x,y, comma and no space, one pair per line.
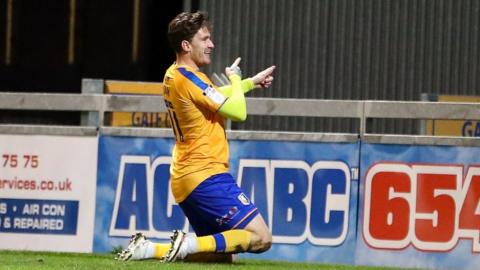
92,86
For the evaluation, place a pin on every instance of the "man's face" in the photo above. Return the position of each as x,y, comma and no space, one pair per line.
202,47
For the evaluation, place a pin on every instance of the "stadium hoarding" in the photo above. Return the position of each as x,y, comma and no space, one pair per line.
47,192
138,119
442,127
307,192
419,206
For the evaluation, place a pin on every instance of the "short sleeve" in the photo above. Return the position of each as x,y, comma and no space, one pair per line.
201,90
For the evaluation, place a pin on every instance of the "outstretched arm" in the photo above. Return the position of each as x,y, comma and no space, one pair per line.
263,79
246,85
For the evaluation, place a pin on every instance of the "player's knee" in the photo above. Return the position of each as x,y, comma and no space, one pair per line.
261,240
265,242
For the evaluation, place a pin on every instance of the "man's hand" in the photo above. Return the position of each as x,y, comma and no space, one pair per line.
234,69
264,78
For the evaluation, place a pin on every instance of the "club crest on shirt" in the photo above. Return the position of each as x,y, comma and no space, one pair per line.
214,95
243,199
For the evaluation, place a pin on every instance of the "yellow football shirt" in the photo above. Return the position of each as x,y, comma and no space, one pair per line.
201,148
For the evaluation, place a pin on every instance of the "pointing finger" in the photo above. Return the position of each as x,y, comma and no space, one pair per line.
235,64
268,71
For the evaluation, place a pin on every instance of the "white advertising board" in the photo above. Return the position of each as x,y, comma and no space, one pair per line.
47,192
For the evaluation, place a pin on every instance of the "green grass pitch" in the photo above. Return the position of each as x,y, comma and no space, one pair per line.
50,260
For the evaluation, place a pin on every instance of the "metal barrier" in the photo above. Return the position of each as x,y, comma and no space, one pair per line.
363,111
419,110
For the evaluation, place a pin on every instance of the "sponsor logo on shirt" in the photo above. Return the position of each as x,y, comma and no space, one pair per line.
214,95
225,219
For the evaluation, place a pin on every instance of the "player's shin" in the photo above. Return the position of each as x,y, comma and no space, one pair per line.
232,241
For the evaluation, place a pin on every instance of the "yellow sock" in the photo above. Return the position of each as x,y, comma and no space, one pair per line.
160,250
206,243
226,242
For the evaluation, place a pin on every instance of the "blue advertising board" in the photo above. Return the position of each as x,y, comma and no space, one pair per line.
306,191
419,206
38,216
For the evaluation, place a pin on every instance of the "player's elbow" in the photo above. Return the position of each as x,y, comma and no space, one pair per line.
240,117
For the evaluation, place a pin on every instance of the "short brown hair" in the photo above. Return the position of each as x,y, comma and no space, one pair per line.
184,26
